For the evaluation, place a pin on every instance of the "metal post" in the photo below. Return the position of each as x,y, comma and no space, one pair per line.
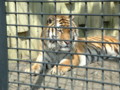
3,48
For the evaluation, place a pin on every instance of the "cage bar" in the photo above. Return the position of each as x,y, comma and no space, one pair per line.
36,10
3,48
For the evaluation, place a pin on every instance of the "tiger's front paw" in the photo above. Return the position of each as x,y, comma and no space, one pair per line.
60,70
35,69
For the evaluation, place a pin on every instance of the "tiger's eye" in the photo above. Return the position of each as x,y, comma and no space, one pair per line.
49,21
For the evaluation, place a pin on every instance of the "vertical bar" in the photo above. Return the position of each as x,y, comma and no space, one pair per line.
43,48
30,58
119,39
16,21
102,39
55,11
85,33
3,49
70,12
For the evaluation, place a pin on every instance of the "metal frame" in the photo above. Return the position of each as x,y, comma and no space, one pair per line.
3,52
3,49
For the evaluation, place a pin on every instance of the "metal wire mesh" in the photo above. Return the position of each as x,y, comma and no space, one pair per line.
26,20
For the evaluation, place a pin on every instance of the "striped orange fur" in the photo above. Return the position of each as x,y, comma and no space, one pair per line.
85,47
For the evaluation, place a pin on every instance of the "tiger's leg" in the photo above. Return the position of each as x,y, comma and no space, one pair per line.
36,67
62,69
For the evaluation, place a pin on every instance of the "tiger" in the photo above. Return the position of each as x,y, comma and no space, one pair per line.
64,49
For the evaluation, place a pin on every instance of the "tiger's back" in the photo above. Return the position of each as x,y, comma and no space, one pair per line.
97,48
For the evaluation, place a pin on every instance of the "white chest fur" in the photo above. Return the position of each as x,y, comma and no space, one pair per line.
82,60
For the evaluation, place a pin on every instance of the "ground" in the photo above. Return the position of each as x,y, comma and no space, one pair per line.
91,78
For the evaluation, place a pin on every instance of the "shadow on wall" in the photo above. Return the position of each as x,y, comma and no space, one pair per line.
99,21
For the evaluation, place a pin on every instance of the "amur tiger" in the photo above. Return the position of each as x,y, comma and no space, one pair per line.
64,48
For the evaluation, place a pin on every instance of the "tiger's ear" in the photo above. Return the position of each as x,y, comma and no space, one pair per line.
50,19
72,17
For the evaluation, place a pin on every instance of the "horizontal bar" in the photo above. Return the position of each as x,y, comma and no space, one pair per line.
86,28
61,52
72,78
85,41
61,1
35,85
64,14
85,67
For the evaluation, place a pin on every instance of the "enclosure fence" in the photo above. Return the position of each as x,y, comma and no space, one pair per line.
22,24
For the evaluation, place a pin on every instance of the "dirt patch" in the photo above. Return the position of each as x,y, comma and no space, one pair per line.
96,76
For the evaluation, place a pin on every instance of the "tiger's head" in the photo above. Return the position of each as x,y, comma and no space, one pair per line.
60,33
